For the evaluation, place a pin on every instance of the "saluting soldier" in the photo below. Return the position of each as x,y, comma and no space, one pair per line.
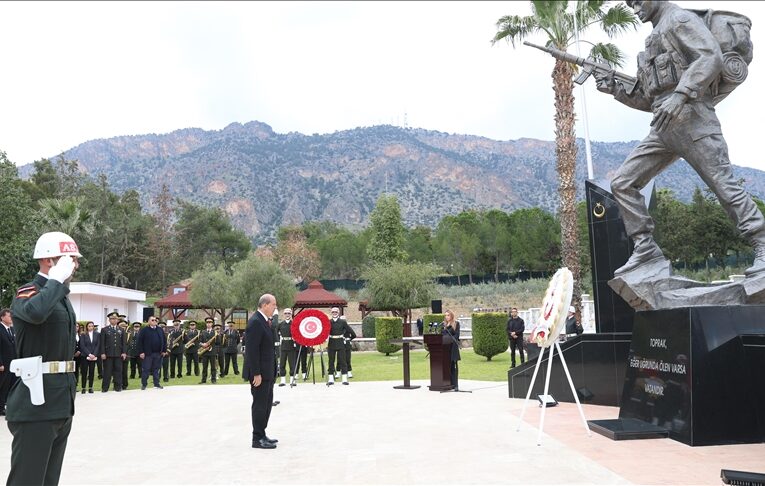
123,325
112,351
44,323
288,350
336,346
207,341
192,336
349,335
232,344
132,351
220,344
165,357
175,348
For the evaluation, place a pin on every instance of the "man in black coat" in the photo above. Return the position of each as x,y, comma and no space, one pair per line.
152,347
7,354
515,328
260,369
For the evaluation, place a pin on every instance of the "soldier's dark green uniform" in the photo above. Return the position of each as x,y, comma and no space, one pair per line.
44,322
288,351
112,346
210,357
132,351
232,350
349,335
336,345
125,361
191,351
176,353
219,345
165,359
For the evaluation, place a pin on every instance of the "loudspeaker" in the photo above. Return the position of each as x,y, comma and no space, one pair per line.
435,306
584,394
147,312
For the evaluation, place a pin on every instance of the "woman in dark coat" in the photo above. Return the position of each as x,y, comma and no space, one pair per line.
88,355
451,326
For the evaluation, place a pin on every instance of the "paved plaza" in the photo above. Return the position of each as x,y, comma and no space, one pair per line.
365,433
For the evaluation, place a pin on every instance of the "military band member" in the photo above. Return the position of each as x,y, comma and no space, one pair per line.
43,323
220,344
166,357
288,350
191,346
231,349
349,335
175,348
112,351
336,346
207,342
132,351
123,324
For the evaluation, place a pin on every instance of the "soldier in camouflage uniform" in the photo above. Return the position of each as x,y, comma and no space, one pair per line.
44,322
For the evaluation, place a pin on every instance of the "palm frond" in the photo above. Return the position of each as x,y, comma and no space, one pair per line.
514,28
618,19
608,54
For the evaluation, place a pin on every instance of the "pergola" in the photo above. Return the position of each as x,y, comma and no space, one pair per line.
315,296
176,305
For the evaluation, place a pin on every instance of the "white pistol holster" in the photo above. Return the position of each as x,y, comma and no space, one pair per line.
31,373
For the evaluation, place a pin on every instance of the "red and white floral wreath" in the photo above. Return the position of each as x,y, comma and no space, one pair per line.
552,320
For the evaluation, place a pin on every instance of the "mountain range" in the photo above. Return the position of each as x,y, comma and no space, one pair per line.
263,179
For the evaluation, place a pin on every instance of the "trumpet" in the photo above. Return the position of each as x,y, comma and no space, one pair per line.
209,344
191,342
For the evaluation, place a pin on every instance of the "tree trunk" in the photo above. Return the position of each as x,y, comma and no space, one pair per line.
565,149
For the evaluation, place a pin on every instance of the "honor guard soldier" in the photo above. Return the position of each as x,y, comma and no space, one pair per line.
220,344
165,357
232,345
123,324
288,350
336,346
112,344
132,351
349,336
40,406
207,340
175,348
191,346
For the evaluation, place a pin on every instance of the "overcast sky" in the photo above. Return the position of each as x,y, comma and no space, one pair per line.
77,71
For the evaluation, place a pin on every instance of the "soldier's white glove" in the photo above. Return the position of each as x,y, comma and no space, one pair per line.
62,270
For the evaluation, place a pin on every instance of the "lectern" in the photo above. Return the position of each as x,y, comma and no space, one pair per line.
440,348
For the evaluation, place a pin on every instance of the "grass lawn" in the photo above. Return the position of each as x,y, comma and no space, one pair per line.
374,366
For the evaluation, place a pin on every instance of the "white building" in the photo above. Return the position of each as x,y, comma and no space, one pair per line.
92,301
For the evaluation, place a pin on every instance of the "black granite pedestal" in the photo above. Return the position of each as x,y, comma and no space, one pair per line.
696,372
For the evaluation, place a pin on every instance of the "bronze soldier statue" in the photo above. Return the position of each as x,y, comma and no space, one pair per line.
680,76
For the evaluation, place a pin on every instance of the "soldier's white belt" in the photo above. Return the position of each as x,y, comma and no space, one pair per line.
336,337
30,370
58,367
286,339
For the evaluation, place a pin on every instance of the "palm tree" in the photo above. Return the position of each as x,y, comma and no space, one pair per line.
68,215
561,28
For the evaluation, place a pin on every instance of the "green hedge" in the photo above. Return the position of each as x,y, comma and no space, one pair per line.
387,328
368,326
489,334
428,319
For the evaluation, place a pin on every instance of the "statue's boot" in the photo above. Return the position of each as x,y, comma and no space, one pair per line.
646,251
759,256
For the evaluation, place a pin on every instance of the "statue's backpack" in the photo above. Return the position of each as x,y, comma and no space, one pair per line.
732,31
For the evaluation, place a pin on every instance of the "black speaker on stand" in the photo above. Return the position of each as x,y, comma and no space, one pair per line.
147,312
435,307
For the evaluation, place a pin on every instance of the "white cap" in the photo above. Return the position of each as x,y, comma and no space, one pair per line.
55,244
571,308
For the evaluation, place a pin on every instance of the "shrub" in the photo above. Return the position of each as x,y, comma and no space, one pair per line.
368,326
489,334
387,328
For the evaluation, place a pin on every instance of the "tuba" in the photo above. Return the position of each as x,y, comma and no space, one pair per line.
203,350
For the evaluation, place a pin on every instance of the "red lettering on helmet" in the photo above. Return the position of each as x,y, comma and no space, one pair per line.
68,247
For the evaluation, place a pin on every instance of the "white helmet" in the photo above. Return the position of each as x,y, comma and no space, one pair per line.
55,244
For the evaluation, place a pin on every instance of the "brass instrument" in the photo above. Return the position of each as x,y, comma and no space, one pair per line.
191,343
177,340
209,344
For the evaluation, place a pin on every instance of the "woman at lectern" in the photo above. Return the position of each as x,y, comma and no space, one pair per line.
451,326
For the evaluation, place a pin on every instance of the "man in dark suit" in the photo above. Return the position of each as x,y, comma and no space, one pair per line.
260,369
7,354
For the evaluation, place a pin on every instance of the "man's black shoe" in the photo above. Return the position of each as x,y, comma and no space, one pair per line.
275,403
158,386
118,390
83,391
263,444
165,380
273,441
90,390
143,387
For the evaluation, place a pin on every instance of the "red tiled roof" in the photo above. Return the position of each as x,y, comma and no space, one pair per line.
176,301
316,295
